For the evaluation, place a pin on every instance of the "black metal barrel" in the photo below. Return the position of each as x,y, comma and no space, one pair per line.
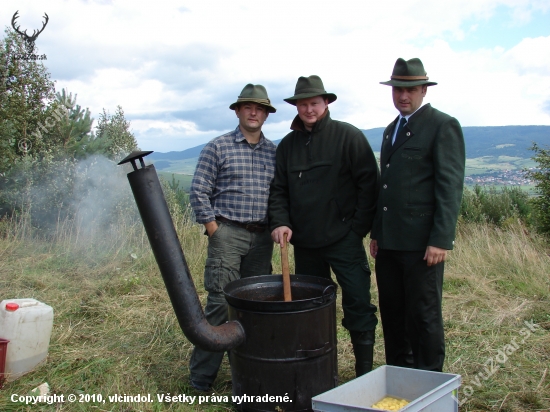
290,349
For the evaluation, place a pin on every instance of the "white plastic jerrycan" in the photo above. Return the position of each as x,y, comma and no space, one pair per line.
27,324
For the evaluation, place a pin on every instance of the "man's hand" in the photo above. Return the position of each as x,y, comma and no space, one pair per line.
211,227
278,235
373,248
435,255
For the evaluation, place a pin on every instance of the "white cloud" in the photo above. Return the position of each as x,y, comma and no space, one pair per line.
178,62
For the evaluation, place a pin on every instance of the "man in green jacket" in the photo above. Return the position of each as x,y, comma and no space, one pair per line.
323,198
422,162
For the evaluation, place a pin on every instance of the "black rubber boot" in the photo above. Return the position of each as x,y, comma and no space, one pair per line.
363,348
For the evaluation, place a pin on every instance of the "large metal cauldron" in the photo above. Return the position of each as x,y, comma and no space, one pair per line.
276,348
290,347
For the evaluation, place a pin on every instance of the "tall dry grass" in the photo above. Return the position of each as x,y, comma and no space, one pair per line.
496,281
115,331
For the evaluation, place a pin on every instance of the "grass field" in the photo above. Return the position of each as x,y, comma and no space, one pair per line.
488,164
115,332
184,180
185,166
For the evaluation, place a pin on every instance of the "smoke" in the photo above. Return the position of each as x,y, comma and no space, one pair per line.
101,198
87,199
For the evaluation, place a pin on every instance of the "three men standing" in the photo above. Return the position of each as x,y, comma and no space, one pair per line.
229,195
422,163
324,194
323,197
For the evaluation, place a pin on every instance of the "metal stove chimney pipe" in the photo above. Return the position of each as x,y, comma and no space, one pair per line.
171,262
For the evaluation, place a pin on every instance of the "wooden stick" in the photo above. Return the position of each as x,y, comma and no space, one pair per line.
286,271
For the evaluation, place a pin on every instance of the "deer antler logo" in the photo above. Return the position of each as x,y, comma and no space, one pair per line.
29,39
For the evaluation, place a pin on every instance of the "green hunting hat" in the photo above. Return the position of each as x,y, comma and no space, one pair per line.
408,73
254,93
307,87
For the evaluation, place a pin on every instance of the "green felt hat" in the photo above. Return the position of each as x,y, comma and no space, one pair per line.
307,87
254,93
408,74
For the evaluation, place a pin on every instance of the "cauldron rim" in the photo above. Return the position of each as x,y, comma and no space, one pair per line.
325,287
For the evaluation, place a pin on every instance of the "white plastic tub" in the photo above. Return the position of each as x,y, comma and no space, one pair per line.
427,391
27,324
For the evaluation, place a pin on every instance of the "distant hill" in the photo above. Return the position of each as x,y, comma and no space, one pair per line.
513,141
493,141
185,154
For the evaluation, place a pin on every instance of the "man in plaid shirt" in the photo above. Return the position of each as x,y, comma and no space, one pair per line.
229,195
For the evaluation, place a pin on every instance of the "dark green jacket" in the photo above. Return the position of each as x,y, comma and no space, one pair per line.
325,183
421,183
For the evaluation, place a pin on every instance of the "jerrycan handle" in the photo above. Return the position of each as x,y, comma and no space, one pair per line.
29,303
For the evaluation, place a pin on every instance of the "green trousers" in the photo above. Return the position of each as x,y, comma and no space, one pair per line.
348,260
233,253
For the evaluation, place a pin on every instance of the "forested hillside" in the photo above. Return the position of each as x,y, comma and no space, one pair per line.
513,141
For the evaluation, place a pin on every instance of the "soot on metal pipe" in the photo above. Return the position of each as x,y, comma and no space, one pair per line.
172,264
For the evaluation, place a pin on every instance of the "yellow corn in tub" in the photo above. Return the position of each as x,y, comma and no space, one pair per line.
389,403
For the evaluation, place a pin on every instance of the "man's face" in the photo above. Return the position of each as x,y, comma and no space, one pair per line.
251,116
310,110
408,99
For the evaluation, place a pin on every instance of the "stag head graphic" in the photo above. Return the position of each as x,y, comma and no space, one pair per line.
29,39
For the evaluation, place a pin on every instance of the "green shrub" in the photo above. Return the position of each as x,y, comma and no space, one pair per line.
495,206
176,201
541,176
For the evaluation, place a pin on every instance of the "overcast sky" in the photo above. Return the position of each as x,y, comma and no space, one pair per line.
176,66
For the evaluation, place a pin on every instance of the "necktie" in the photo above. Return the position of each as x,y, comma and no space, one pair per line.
399,128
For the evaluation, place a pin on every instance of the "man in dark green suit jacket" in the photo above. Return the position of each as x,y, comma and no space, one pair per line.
422,163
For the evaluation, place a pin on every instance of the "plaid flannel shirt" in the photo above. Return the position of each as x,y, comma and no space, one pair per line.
232,179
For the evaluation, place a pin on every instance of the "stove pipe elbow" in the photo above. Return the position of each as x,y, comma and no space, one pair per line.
172,264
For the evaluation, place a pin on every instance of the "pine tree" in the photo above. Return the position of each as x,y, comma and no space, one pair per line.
25,92
113,134
72,127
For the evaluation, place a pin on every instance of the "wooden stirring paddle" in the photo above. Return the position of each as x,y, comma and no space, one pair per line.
286,271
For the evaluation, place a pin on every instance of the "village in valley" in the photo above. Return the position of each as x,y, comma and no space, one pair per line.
500,178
